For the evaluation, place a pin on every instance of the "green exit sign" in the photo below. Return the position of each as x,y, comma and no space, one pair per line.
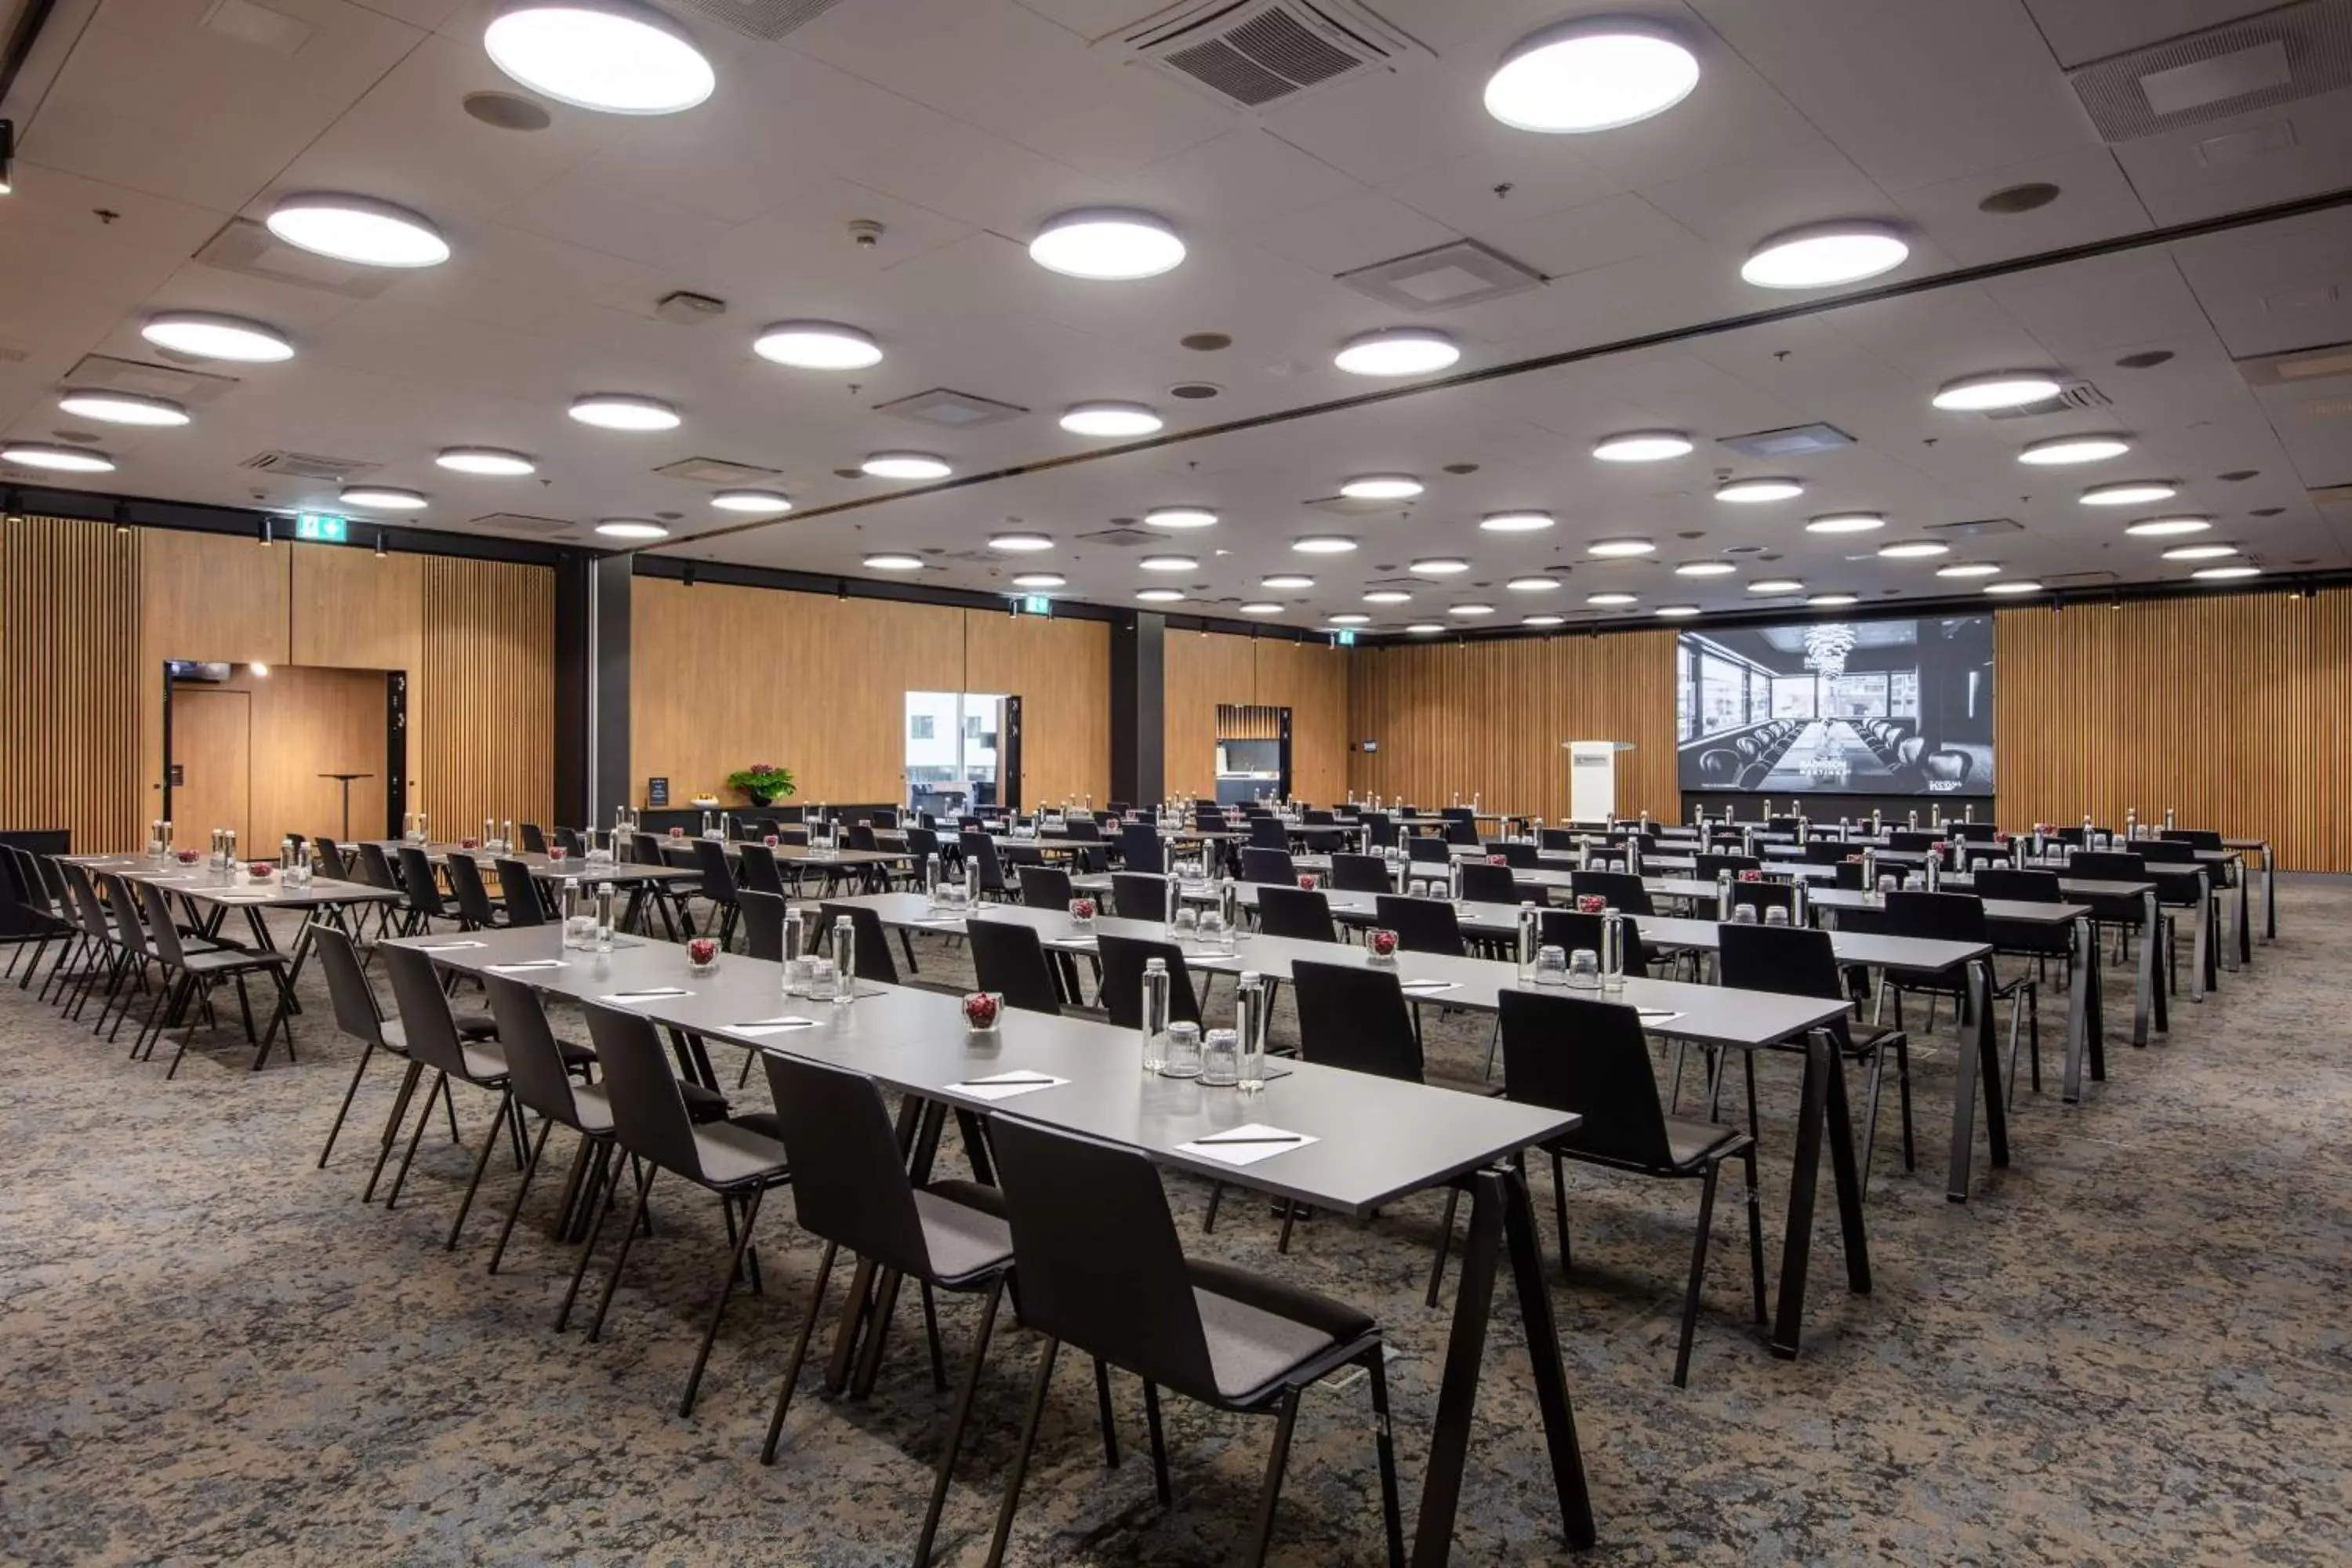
320,526
1345,636
1036,605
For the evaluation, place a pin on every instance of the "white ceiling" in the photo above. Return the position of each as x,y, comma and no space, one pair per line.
959,125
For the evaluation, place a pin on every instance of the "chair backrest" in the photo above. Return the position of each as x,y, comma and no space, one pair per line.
519,890
1303,914
1571,1053
1524,856
1461,830
1485,884
922,843
1268,833
416,881
850,1179
331,858
1910,841
2107,866
764,914
1361,874
32,887
1096,1250
375,867
1422,925
1569,930
1138,895
1044,887
357,1012
1355,1018
473,897
759,869
649,1115
568,840
873,956
128,928
1421,846
1761,896
1123,958
534,1062
1789,960
861,836
88,912
1380,830
1139,847
1942,917
2195,838
1621,890
1974,832
534,839
645,849
718,877
1008,957
2165,851
980,850
424,1008
1709,867
163,932
1261,865
2021,887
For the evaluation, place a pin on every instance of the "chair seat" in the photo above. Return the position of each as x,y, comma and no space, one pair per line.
1260,1330
731,1154
710,1105
1862,1039
596,1110
486,1060
482,1027
227,960
964,1232
1691,1141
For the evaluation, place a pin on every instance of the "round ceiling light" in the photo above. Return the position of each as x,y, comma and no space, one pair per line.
893,560
1179,517
1380,487
2225,574
631,528
1705,569
1398,350
1110,419
2168,527
1619,547
1439,566
1111,245
817,345
494,462
1533,584
1323,544
1611,601
57,460
616,56
1997,389
2060,450
1388,596
1470,609
2013,585
124,408
2214,550
1543,620
1041,580
1832,601
1516,521
1262,607
1426,629
1676,612
381,498
204,335
1642,446
906,466
1286,582
1750,491
1824,255
1350,618
358,230
1913,550
1160,595
1594,73
2130,493
1969,569
1021,543
1776,585
1167,563
1845,522
623,411
751,501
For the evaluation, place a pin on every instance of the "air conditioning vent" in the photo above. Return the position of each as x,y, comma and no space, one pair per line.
519,522
2281,56
768,19
945,409
716,471
1123,537
2078,579
1443,277
2323,362
1796,441
1249,54
1348,506
103,372
310,466
1977,528
248,249
2074,396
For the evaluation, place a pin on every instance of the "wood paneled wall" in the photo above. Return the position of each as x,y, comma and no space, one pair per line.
487,693
1248,721
2235,711
723,676
1491,719
69,684
304,723
1206,669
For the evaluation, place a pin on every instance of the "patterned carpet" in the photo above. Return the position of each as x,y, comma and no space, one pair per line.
2129,1348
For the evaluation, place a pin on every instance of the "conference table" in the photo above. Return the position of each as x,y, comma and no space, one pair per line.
638,882
1376,1141
1703,1015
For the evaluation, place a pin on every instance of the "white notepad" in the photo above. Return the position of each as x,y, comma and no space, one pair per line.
1225,1148
761,1029
1423,987
1005,1085
525,965
638,998
446,946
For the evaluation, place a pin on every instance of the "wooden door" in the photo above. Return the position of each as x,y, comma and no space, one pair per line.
212,750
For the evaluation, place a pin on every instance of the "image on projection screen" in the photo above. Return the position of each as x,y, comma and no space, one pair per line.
1894,706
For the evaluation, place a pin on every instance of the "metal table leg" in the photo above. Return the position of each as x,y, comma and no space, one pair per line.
2150,925
2244,943
2078,1005
1821,1105
1979,1071
2269,895
2202,975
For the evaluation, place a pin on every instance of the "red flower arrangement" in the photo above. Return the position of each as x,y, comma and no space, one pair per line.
1590,904
1383,944
982,1009
703,951
1309,881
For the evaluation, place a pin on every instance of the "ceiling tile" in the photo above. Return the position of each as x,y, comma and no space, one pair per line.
1356,230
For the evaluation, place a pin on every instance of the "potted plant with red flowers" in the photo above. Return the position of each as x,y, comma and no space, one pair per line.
763,783
702,952
981,1012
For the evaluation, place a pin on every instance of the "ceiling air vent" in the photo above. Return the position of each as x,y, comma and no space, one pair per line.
1250,54
762,18
944,409
519,522
247,247
2077,579
1796,441
1123,537
103,372
716,471
1443,277
2281,56
1975,527
2076,395
310,466
1348,506
2298,365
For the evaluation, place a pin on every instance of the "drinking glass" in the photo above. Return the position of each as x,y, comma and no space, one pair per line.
1584,970
1775,916
1221,1059
1183,1051
821,982
1188,923
1887,883
1551,966
1743,914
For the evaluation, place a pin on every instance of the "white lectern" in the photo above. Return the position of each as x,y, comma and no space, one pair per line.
1592,779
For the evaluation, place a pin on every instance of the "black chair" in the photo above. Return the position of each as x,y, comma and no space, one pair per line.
1520,857
1302,914
1268,833
764,914
980,851
850,1188
1791,961
359,1014
2036,940
1707,866
332,863
1485,884
520,892
1461,830
1044,887
1569,1053
190,973
1268,866
1138,895
1121,998
534,841
1960,917
538,1075
1422,849
650,1121
1569,930
1761,896
717,885
1007,957
1421,925
430,1032
1380,830
758,869
422,889
1361,874
1619,891
871,959
1141,848
1101,1268
475,910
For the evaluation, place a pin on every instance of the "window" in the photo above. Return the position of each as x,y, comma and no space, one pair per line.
972,726
921,727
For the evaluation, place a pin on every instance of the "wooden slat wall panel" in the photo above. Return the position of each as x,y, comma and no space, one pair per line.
203,596
1248,721
1310,679
2228,709
69,752
1490,718
1061,671
1202,669
488,690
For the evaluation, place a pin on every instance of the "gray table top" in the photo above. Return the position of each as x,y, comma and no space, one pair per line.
572,867
1377,1139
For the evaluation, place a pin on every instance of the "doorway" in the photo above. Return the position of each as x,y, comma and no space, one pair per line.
212,762
963,751
1253,753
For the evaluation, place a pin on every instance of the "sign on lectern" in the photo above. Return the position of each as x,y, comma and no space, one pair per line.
1592,779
